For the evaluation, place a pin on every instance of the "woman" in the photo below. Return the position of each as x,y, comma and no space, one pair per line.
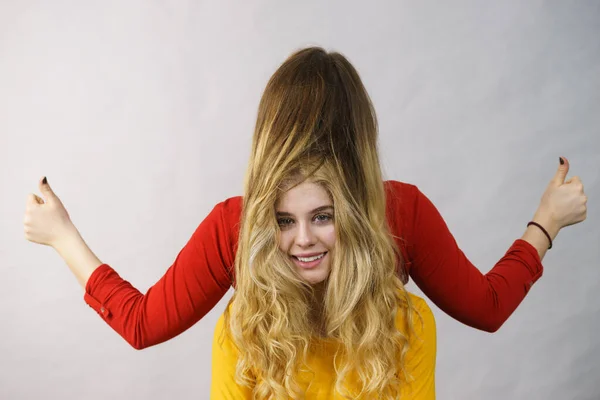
316,280
426,250
315,255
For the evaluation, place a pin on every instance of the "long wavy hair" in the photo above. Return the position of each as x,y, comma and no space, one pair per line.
316,122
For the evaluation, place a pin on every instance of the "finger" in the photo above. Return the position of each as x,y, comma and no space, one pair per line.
46,190
576,182
561,173
33,199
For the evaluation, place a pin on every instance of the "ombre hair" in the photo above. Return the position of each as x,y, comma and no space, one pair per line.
316,123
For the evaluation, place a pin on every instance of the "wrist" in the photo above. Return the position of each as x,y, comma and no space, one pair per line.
66,240
77,255
546,221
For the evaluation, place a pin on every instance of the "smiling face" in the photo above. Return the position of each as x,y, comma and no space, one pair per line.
307,231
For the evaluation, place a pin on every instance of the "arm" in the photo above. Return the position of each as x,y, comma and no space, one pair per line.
78,256
421,355
224,361
453,283
190,288
534,235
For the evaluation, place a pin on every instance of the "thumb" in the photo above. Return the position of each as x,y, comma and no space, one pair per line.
561,173
46,190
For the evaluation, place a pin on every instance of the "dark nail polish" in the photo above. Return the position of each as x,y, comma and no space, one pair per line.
45,181
561,160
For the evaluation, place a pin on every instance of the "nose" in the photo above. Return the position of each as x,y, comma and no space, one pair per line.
305,237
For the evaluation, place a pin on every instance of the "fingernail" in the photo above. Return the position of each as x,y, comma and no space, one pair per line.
561,160
45,181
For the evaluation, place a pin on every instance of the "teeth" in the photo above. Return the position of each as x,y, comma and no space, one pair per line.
309,259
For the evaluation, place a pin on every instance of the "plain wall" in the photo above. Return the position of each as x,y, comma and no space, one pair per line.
141,114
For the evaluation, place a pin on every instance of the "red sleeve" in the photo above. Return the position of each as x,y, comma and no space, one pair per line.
190,288
445,275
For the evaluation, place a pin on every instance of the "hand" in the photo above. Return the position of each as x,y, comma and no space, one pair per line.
564,203
46,220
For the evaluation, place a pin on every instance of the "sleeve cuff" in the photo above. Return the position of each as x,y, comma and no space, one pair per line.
91,290
531,260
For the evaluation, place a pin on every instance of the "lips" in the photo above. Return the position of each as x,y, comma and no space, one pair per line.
307,255
309,262
310,257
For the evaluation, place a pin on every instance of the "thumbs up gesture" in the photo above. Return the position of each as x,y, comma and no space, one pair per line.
46,219
564,201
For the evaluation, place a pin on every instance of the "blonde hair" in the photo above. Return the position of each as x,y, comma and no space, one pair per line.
316,122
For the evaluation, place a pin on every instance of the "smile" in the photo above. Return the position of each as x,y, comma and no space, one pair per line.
309,262
309,259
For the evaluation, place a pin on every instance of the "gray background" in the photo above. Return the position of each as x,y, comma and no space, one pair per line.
141,115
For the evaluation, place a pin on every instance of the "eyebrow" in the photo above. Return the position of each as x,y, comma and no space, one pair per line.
316,210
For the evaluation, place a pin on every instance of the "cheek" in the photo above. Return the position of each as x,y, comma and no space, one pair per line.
329,238
284,241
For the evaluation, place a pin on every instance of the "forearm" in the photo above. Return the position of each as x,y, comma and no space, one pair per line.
78,256
536,237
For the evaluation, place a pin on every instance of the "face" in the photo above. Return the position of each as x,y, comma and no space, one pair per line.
307,233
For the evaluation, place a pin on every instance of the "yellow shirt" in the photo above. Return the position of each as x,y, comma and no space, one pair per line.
420,364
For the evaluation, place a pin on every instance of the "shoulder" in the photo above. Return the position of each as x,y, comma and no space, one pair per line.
220,323
227,215
221,337
226,211
230,207
424,331
422,317
401,199
399,193
408,210
420,306
215,238
394,187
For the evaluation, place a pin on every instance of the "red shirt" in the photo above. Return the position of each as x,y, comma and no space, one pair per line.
203,272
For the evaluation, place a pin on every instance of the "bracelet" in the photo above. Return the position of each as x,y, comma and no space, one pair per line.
543,230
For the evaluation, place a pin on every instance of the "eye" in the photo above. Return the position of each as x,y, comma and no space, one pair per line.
283,222
323,217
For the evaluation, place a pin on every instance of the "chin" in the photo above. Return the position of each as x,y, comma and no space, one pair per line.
314,277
